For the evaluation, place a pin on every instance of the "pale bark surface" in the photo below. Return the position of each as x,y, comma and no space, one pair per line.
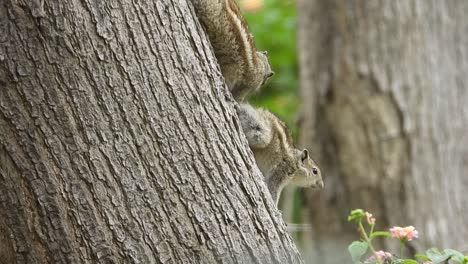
386,113
119,142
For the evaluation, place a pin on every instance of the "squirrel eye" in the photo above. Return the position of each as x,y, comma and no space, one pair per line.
315,171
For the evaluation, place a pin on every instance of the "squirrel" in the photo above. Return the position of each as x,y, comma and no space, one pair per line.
280,162
244,68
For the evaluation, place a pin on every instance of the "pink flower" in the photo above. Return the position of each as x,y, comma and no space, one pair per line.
380,256
370,219
404,233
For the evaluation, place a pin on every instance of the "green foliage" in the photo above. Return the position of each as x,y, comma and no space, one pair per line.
358,249
380,234
405,261
274,28
356,215
436,256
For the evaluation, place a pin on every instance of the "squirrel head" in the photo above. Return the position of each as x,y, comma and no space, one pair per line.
254,75
308,173
263,68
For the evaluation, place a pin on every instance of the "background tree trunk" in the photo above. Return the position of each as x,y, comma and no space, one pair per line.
385,111
119,142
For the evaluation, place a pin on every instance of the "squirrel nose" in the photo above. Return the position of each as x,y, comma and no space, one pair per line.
319,183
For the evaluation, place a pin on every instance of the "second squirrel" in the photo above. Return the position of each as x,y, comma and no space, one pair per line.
280,162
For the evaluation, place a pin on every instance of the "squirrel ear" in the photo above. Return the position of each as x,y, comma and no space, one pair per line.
304,154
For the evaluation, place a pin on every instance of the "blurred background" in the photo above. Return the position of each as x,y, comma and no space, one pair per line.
377,90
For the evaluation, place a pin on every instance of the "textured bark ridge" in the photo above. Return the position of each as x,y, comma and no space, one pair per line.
119,142
385,84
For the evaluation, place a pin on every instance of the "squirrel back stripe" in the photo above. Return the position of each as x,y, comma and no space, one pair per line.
243,32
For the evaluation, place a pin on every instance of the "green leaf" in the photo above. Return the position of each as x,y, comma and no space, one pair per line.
380,233
421,256
357,249
404,261
356,214
409,261
455,255
436,256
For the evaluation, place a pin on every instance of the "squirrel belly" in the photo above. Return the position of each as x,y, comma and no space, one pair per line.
280,162
244,68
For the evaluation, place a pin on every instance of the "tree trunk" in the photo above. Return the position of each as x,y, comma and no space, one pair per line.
385,90
119,141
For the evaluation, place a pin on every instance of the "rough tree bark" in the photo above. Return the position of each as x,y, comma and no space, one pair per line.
385,90
119,142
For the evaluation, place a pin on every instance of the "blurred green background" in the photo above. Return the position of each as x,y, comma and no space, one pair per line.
273,23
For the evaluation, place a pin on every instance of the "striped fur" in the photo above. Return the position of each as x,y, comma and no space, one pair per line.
244,68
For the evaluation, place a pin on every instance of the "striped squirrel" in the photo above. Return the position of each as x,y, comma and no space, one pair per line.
280,162
244,68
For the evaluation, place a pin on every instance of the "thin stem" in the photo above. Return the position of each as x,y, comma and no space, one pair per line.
366,238
402,244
